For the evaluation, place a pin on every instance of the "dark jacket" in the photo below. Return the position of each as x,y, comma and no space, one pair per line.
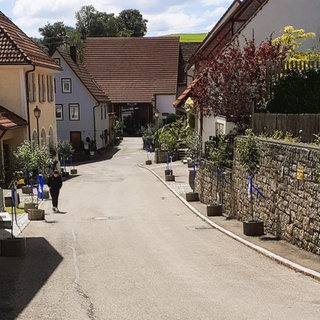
55,183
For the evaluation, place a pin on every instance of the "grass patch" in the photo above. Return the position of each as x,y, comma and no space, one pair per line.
189,37
19,210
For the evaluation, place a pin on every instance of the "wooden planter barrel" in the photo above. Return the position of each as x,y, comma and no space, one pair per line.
36,214
29,205
169,177
214,210
253,228
192,196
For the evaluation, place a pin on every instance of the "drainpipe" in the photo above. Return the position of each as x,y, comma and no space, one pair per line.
27,91
94,123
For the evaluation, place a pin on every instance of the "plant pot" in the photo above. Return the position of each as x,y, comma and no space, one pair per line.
169,177
148,162
168,172
8,201
192,196
73,171
253,228
5,221
26,189
36,214
29,205
13,247
214,210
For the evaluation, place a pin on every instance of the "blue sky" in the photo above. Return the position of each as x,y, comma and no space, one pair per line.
164,16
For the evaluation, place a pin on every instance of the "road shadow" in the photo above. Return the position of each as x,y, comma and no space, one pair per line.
22,277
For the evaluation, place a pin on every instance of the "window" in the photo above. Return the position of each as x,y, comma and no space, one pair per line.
74,112
42,89
49,88
66,85
219,128
43,138
57,61
59,112
31,88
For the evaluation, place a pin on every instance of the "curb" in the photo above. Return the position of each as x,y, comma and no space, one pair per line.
292,265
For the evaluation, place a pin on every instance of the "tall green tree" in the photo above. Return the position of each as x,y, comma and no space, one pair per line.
54,35
132,24
93,23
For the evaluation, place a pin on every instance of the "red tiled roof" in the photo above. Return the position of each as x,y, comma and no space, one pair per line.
17,48
133,69
85,77
10,120
185,94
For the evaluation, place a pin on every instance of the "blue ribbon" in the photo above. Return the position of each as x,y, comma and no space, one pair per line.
40,186
13,195
253,187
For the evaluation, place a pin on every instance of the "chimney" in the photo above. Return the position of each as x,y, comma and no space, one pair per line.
73,53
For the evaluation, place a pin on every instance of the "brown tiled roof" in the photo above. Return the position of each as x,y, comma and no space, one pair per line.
85,77
10,120
133,69
188,49
231,23
17,48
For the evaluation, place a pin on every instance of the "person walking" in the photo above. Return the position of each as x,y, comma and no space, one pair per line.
55,184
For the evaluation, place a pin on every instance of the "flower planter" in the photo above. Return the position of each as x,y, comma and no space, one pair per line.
148,162
26,189
214,210
36,214
253,228
160,156
29,205
192,196
169,177
5,221
13,247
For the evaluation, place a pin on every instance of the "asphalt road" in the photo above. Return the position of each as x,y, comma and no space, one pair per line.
127,248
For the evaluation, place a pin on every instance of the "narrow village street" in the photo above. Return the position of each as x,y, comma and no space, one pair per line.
125,247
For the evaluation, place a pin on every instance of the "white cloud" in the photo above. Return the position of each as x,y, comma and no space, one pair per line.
164,17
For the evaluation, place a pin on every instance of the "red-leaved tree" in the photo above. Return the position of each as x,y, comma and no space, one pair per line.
233,78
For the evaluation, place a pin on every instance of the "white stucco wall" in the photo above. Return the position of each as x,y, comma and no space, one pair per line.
88,110
164,103
277,14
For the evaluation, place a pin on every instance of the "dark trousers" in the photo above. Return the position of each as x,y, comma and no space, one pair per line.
54,196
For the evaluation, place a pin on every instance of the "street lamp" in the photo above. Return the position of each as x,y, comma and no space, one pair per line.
37,113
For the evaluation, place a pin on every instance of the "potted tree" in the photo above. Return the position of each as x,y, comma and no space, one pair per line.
12,246
65,152
249,156
36,160
220,154
193,141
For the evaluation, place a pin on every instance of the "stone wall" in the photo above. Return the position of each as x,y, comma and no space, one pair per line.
288,180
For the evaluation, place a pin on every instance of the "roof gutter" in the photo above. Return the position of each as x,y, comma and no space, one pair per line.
27,98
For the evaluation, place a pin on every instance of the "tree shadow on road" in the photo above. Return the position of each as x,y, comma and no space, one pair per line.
22,277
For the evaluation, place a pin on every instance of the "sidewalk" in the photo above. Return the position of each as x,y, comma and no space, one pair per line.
278,250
